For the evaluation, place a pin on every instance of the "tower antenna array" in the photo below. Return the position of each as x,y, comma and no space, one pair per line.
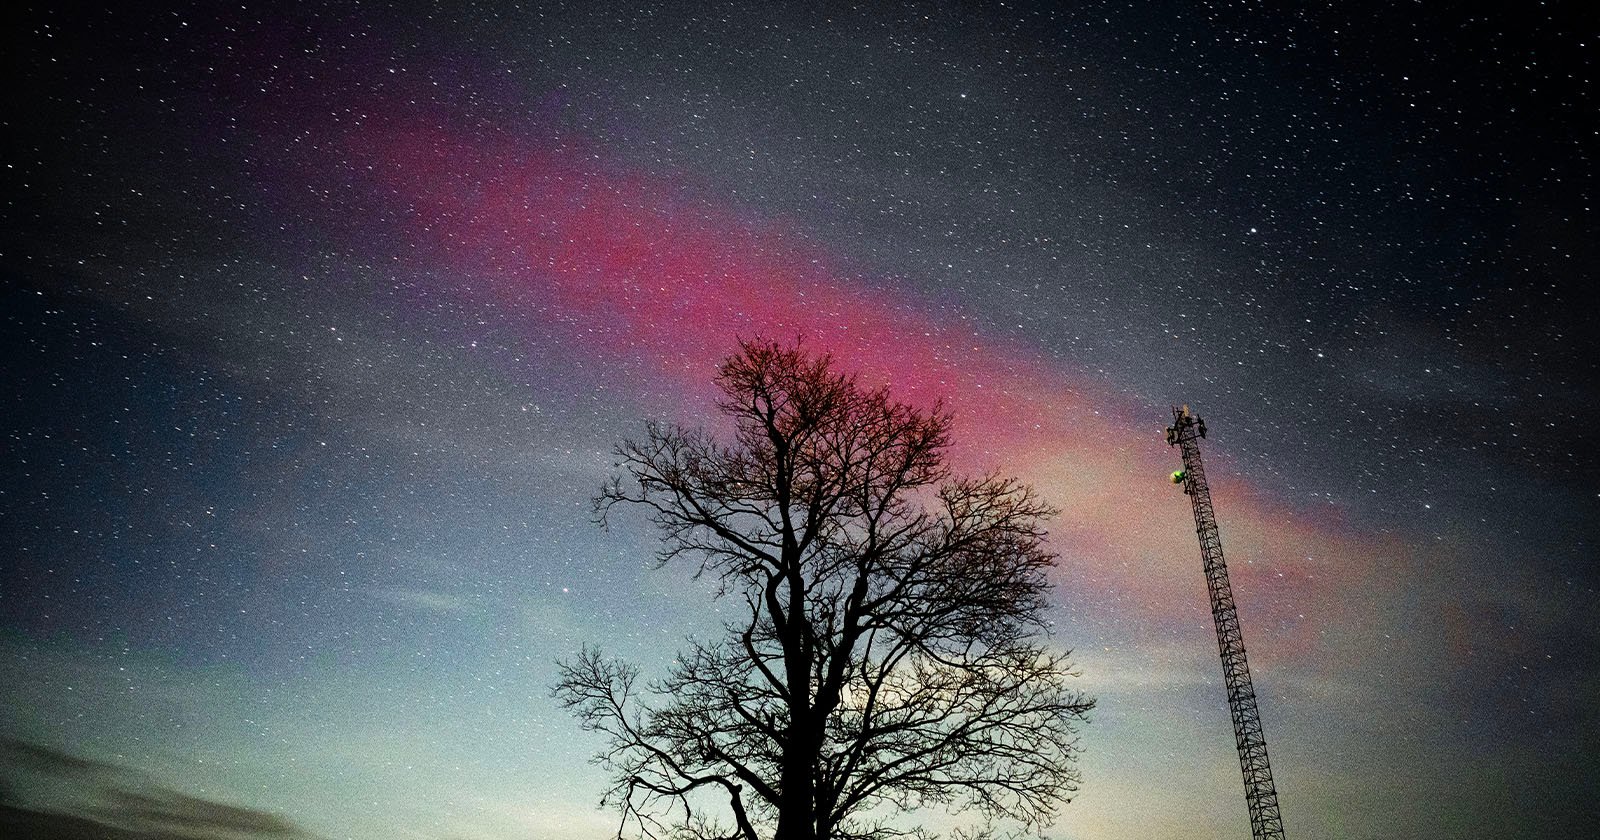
1266,823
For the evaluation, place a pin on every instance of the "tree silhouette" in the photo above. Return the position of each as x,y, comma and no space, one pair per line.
887,656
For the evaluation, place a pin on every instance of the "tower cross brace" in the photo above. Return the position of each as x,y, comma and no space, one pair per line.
1266,823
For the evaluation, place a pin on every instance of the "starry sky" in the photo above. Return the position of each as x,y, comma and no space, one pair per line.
320,324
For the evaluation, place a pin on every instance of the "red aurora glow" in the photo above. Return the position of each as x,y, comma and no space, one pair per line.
637,269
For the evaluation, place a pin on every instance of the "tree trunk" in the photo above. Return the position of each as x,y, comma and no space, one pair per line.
797,793
795,818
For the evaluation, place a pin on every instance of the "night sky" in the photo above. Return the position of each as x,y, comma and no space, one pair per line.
319,326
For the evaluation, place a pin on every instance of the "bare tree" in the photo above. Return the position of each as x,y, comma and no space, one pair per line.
888,657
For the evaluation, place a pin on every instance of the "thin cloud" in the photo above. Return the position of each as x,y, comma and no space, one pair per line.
423,599
52,795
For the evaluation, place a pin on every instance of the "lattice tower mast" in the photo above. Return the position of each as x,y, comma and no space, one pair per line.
1259,793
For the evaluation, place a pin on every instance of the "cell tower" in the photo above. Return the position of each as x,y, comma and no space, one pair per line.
1259,793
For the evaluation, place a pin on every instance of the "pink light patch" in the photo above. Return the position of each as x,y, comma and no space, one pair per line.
636,269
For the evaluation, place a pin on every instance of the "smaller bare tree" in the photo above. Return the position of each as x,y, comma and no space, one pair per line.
888,657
